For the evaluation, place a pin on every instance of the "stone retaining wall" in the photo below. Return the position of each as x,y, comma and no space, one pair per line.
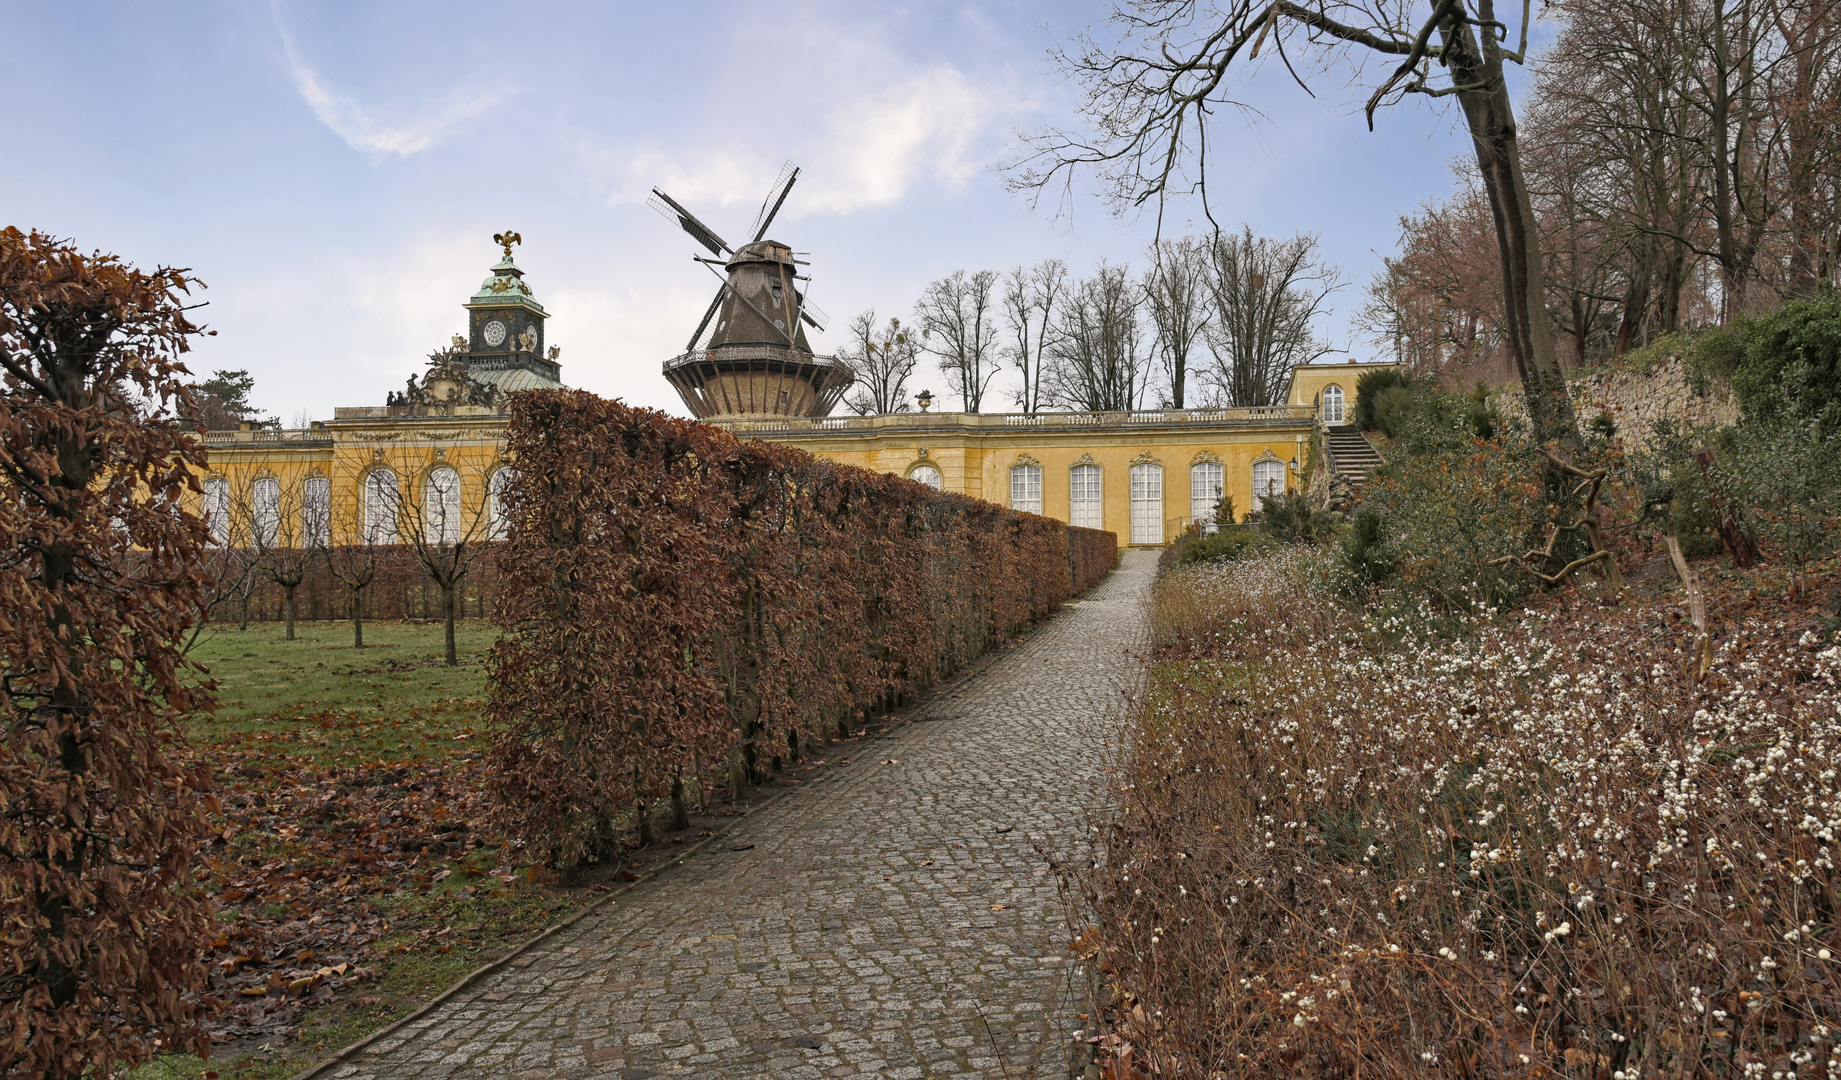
1635,400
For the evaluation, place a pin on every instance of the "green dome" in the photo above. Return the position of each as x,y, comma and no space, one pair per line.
505,286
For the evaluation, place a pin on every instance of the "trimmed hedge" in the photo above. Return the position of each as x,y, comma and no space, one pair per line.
679,608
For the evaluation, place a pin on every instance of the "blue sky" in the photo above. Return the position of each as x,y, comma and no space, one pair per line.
334,171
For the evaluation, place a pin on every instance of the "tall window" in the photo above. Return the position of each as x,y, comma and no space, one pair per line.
1084,497
1268,481
499,524
1332,404
926,474
1206,483
217,509
316,510
1026,488
265,511
380,507
1147,504
441,507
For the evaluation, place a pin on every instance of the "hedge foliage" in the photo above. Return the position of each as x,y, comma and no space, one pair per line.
680,606
101,575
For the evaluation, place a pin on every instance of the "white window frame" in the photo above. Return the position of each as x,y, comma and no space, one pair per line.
316,511
927,476
1268,481
1333,404
1207,483
1026,488
441,510
217,510
1147,503
1086,497
265,511
380,506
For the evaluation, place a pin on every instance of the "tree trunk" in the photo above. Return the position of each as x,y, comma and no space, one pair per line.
680,813
1491,117
243,623
357,618
450,595
287,608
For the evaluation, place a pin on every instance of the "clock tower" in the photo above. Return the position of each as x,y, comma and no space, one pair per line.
505,329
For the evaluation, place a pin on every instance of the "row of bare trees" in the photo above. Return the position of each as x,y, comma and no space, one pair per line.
1213,321
265,530
1683,162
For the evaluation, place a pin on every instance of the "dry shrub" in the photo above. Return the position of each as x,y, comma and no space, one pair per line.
1348,847
681,607
100,577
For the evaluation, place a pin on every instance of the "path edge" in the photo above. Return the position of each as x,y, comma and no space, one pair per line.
473,977
970,671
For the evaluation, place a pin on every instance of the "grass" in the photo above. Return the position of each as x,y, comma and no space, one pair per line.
289,708
260,673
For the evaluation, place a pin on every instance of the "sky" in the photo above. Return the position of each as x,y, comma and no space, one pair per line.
334,172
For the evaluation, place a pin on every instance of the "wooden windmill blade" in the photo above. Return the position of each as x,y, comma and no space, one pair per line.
701,233
776,196
715,305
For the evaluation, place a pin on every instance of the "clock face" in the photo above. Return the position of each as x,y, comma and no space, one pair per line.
495,333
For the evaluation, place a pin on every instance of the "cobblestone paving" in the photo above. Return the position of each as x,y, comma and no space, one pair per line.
892,920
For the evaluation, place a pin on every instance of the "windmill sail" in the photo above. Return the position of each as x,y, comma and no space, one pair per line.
776,195
701,233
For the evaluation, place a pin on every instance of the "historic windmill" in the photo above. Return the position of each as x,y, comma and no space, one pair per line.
756,361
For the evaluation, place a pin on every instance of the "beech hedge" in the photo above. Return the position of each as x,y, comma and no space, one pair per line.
680,608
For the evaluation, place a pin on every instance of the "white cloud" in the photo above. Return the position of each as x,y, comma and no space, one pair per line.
865,123
363,128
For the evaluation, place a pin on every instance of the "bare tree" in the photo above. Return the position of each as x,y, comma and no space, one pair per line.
958,325
1437,305
1176,292
1148,97
367,526
446,526
1097,361
1030,297
282,537
1266,294
883,361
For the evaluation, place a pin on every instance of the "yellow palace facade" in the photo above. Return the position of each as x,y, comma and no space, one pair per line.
430,461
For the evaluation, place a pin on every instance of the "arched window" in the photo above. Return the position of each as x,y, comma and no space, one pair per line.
265,511
498,522
1026,488
1206,485
380,499
441,506
316,510
1268,481
1084,508
217,509
925,474
1332,404
1147,504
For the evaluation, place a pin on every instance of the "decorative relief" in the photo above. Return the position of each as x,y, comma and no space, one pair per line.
1268,455
1025,459
1144,458
1205,457
1084,459
922,452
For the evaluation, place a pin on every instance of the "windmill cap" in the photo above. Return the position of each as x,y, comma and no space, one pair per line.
762,251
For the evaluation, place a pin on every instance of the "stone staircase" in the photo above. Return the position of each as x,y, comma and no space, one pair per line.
1350,453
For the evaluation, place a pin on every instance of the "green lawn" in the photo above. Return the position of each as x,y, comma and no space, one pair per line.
398,676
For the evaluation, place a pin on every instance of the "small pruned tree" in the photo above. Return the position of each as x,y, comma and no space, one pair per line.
446,528
101,576
282,535
365,535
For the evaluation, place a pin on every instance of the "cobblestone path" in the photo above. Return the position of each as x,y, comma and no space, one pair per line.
892,920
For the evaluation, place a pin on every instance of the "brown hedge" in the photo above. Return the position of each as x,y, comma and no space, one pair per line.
678,605
101,574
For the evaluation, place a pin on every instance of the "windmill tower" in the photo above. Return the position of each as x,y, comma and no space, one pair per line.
756,361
